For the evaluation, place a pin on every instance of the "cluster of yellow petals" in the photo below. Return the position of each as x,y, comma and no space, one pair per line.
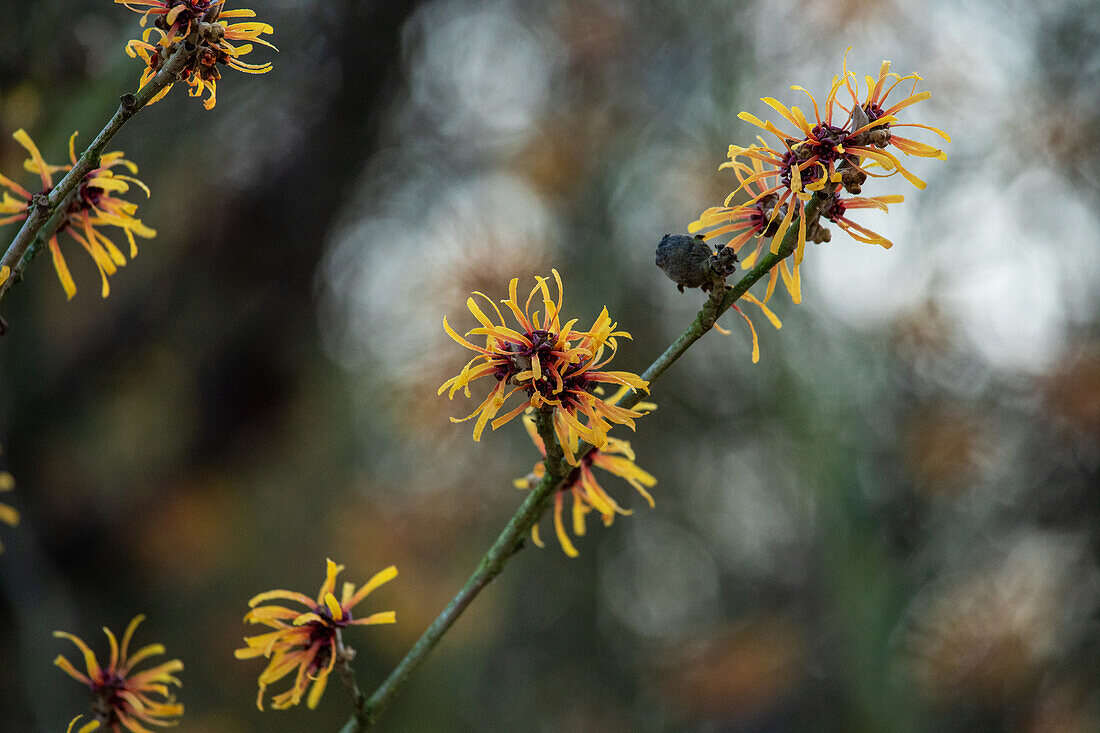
616,457
547,362
806,161
307,642
225,46
123,695
96,203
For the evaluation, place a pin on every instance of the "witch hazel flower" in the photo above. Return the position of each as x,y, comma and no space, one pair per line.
546,363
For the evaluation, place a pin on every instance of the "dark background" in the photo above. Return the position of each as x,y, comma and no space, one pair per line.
886,524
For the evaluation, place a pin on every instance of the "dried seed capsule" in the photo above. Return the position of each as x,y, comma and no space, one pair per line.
690,262
684,259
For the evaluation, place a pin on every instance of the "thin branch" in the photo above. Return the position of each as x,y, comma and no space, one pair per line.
344,657
44,207
534,505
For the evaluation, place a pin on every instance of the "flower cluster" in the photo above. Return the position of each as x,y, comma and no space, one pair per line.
206,24
95,203
547,362
615,457
124,697
307,642
8,514
843,146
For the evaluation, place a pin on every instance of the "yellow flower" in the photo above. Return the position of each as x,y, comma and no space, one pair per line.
824,152
206,24
122,695
94,204
307,641
8,514
873,114
548,363
616,457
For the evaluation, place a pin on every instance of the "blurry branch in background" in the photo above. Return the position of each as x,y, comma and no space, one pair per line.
48,211
721,299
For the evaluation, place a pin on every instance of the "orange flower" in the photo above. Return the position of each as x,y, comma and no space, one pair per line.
615,457
549,363
307,641
831,153
828,147
822,153
206,24
873,114
94,204
123,696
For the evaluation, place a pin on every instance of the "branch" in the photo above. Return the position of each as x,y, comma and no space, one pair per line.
533,506
45,208
344,656
490,566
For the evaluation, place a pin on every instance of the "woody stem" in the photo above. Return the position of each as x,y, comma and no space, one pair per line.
344,655
490,566
536,502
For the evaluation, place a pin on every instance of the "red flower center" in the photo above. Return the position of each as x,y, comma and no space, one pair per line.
835,209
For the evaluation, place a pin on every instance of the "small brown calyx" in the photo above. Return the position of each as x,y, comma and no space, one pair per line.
346,653
817,233
211,32
804,149
851,178
207,56
878,136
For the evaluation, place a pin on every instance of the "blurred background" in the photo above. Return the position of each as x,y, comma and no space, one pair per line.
888,524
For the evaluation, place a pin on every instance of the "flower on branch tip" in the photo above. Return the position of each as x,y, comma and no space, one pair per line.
207,25
8,514
866,118
95,203
836,148
548,363
307,642
124,698
615,457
